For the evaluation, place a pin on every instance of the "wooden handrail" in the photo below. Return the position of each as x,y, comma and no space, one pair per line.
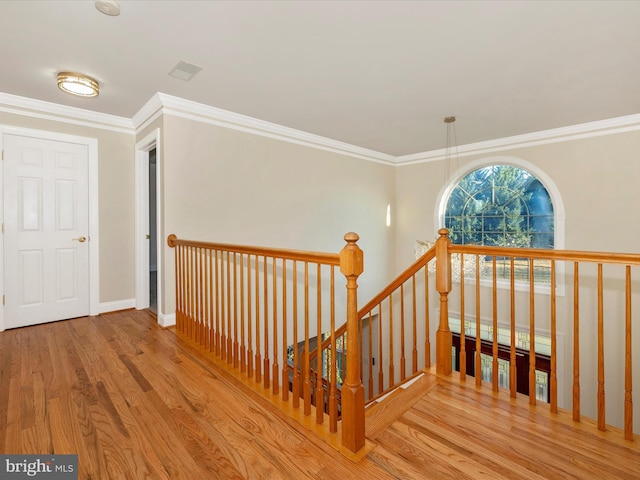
543,254
280,253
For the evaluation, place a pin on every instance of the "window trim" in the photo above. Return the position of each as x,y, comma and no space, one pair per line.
556,200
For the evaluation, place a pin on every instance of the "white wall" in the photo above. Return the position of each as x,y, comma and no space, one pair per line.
229,186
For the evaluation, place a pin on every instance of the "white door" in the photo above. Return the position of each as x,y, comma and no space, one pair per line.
46,220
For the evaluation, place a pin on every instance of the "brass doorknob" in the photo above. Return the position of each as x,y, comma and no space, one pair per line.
80,239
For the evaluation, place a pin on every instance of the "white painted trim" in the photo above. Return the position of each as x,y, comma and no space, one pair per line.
610,126
148,143
94,228
167,320
215,116
117,305
60,113
161,103
93,210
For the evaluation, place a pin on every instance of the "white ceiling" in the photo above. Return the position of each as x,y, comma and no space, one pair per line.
377,74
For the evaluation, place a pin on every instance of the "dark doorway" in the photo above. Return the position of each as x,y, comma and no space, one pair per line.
152,236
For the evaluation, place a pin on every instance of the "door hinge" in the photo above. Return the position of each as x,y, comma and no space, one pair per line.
3,155
2,299
3,228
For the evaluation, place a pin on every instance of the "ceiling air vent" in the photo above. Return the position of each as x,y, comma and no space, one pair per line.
184,71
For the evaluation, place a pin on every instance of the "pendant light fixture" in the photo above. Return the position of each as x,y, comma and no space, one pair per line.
78,84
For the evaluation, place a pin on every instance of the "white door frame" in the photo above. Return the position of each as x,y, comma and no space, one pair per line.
143,147
94,239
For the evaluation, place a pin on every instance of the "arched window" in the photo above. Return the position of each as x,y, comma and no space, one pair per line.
508,204
500,205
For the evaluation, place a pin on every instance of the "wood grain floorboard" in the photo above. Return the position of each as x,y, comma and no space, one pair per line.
138,402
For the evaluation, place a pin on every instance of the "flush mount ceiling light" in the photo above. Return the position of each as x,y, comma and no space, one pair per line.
78,84
108,7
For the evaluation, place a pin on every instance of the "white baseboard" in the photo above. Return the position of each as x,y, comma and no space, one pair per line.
117,305
167,320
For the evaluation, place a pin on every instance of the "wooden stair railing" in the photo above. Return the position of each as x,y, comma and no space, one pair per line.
246,305
398,315
586,282
394,327
389,340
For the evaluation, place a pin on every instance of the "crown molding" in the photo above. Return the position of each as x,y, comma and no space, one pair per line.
30,107
598,128
162,103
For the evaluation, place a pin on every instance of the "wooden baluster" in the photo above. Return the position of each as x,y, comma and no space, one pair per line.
218,310
196,291
295,381
211,304
478,359
243,345
183,287
229,320
403,360
628,397
192,293
333,397
179,281
236,345
427,340
201,324
207,297
224,307
249,322
532,335
360,345
576,343
320,353
306,381
601,396
444,338
370,343
258,355
266,360
187,289
463,347
285,326
380,352
513,382
171,241
351,266
392,375
414,352
553,381
494,351
275,384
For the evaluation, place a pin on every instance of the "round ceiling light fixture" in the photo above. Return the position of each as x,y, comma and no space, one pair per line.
78,84
108,7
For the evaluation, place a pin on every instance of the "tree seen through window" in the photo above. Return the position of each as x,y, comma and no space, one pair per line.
501,205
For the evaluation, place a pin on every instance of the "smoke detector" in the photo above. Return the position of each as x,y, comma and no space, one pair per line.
108,7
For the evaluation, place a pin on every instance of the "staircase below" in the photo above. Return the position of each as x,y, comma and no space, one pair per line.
385,410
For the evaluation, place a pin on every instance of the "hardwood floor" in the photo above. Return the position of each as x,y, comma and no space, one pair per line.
135,401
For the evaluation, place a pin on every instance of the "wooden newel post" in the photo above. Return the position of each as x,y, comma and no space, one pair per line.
351,266
443,285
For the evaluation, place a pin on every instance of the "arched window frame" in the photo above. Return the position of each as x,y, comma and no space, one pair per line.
549,185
